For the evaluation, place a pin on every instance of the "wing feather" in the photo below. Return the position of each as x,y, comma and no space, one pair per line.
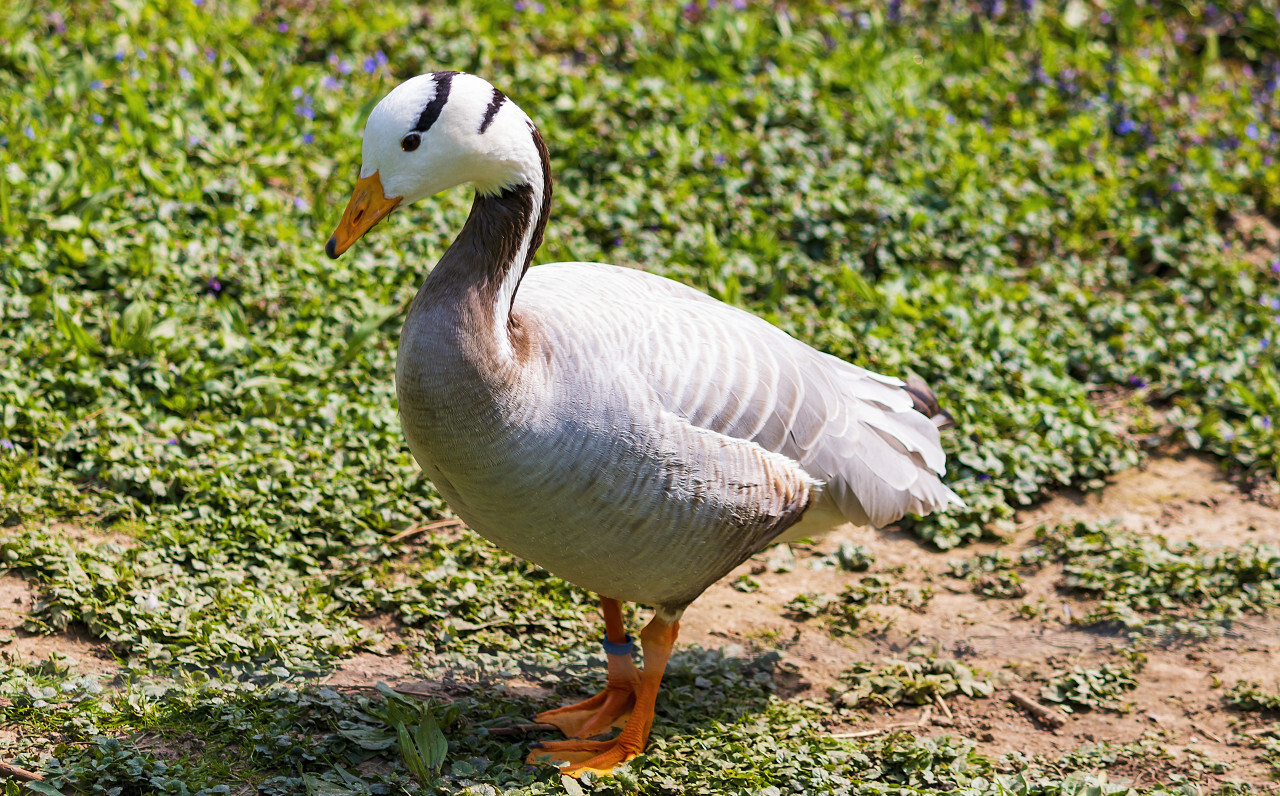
731,372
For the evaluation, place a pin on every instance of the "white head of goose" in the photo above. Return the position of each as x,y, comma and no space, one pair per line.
622,430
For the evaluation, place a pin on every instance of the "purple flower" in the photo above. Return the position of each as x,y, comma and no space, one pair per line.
301,203
1125,126
198,3
1176,186
184,74
308,138
283,27
1105,18
1275,266
331,83
4,141
1137,382
983,477
95,85
305,112
29,133
344,68
96,117
950,118
719,159
210,55
172,441
381,57
213,286
193,140
6,444
740,5
297,92
370,65
120,55
1066,82
1251,131
1266,422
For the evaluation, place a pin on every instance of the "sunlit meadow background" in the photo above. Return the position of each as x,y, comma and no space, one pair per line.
1059,214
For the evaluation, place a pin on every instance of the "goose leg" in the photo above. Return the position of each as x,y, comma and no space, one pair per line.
601,757
612,706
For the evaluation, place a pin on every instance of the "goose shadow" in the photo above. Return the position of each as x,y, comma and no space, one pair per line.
701,688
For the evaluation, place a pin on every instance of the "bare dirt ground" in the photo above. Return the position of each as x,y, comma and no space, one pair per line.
18,597
1179,698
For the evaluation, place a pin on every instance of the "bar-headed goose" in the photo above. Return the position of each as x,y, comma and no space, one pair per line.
622,430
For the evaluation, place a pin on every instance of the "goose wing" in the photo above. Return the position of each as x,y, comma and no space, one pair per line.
731,372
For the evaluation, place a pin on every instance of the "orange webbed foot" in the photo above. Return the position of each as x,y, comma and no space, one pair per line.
606,710
601,711
598,757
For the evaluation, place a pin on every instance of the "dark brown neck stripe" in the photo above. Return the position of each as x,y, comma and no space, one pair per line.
541,226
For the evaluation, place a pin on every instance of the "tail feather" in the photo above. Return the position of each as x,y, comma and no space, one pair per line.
926,403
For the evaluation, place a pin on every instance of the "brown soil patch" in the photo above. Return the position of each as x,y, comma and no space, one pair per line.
17,598
1186,498
367,668
1178,701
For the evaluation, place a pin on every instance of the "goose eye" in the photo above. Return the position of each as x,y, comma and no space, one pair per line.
410,142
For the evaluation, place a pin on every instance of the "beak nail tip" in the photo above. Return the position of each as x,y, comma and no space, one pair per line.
331,248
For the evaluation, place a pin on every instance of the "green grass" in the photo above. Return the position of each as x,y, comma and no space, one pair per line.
1245,695
1030,206
920,679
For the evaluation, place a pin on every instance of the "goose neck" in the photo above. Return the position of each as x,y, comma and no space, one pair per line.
481,272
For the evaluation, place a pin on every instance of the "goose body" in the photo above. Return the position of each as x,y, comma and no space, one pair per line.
620,429
655,438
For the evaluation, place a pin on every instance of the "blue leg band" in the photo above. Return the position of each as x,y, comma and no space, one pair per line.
625,648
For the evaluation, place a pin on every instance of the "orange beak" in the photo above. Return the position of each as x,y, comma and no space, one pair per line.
369,204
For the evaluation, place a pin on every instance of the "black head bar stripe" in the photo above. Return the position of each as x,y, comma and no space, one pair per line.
492,110
444,81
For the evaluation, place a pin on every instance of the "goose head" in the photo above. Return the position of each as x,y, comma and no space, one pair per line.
431,133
